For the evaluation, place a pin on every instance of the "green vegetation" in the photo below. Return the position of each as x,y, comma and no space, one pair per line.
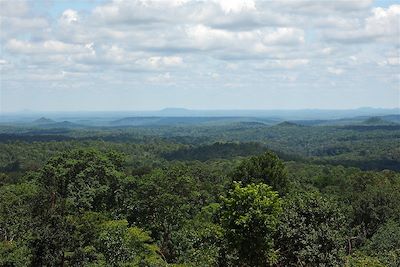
226,195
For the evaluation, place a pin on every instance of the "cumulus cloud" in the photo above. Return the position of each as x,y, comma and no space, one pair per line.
336,71
160,62
381,25
285,36
248,42
13,8
324,7
69,16
46,47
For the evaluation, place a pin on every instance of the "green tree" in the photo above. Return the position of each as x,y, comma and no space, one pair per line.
311,231
199,240
375,199
249,217
266,168
16,223
71,185
385,244
162,201
127,246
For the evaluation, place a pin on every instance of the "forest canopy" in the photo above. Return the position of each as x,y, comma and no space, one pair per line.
181,197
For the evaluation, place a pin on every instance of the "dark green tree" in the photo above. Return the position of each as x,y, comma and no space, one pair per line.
266,168
161,202
70,185
311,232
385,244
249,217
375,199
199,240
16,223
127,246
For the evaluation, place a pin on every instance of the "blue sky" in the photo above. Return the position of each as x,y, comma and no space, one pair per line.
227,54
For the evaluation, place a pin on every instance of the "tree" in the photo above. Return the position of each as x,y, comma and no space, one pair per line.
71,185
311,231
16,223
127,246
82,180
385,244
249,217
375,199
199,240
161,201
266,168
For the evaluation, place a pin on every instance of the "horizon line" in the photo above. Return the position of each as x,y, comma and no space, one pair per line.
192,109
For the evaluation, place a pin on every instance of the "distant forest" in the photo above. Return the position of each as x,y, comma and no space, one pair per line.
227,192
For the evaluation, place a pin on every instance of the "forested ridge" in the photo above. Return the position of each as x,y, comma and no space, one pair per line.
224,195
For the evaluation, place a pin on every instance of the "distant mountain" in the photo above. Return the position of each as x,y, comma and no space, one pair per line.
375,121
61,125
43,120
175,112
187,120
300,116
288,124
392,118
358,120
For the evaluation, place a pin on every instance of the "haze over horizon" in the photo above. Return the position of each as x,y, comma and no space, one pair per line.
99,55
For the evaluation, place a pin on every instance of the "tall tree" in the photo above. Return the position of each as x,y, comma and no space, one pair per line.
266,168
249,217
71,185
311,231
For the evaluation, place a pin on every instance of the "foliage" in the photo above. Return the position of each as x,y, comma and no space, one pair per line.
162,201
71,185
385,244
375,199
199,239
16,223
361,260
311,231
151,196
267,168
127,246
249,217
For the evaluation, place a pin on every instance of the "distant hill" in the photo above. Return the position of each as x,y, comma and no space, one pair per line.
60,125
375,121
288,124
392,118
359,120
152,121
43,120
186,120
175,112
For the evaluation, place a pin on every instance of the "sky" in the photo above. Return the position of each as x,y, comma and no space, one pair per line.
99,55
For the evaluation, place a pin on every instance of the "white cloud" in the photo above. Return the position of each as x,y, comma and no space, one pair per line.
46,47
381,25
157,62
390,61
293,63
384,23
13,8
282,64
324,7
161,78
285,36
207,38
242,43
336,71
69,16
236,6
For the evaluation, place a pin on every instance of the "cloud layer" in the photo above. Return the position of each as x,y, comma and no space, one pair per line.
210,54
